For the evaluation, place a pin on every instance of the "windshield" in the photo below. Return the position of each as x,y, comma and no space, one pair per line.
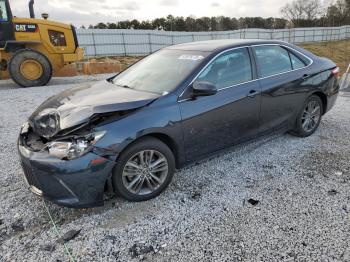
160,72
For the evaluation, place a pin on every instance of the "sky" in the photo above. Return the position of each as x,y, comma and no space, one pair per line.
85,12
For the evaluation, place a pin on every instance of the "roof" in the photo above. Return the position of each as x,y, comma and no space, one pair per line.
212,45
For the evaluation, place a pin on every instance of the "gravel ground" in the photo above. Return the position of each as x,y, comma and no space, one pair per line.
277,198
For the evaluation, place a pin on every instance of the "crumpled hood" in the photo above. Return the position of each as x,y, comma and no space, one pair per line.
76,105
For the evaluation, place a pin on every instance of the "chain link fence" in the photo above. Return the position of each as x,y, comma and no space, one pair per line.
128,42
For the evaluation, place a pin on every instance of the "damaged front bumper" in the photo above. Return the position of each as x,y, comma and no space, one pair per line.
75,183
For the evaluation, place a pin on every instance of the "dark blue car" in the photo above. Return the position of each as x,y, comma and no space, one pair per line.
130,132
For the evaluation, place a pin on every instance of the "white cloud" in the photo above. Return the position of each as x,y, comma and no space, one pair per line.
88,12
169,2
215,4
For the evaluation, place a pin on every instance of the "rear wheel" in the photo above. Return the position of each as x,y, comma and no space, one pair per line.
30,68
143,170
309,118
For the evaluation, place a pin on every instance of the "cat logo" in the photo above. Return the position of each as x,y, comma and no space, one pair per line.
25,28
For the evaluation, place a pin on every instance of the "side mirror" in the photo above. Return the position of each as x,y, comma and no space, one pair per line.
203,89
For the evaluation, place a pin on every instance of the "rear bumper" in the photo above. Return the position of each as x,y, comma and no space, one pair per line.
77,183
77,56
331,101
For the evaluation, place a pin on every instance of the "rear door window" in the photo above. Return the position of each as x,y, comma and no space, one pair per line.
231,68
3,12
272,59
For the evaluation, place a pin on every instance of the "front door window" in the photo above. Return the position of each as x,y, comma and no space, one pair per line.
229,69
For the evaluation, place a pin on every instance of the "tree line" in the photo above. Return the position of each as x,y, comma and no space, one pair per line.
298,13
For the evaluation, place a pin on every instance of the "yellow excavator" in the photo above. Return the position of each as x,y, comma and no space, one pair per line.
32,50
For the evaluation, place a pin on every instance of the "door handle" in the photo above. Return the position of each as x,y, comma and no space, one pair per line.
305,76
252,93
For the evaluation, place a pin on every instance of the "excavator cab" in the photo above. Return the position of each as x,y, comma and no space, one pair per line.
33,50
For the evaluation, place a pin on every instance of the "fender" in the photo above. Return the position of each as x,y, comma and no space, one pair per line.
13,45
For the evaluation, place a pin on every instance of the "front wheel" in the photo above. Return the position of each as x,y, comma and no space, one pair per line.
30,68
309,118
143,170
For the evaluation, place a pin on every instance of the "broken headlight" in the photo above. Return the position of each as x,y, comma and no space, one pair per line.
74,147
47,123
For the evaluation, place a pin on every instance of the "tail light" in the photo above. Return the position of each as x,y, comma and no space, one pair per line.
336,72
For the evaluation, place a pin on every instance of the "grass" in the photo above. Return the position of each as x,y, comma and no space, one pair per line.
337,51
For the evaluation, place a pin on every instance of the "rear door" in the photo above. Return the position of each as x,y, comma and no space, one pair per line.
6,26
213,122
281,73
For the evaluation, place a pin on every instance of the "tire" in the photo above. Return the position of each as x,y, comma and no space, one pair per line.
302,129
126,164
30,68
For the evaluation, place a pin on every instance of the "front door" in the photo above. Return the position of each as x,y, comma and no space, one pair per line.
231,115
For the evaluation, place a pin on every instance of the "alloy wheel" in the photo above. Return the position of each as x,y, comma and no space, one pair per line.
144,172
311,116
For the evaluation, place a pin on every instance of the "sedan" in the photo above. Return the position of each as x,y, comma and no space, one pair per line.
129,133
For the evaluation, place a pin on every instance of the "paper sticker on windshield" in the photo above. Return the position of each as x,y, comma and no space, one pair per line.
191,57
